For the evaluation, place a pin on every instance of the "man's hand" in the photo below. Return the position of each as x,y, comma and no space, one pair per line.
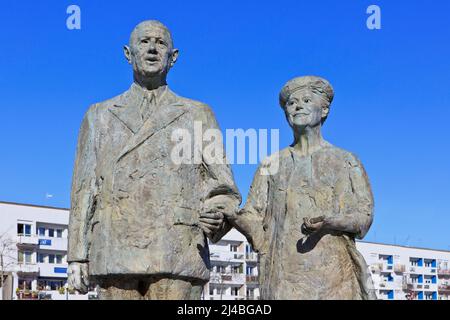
211,222
311,225
78,276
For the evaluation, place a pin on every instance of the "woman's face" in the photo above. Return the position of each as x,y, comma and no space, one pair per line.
304,109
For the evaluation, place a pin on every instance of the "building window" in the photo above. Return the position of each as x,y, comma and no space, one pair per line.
24,284
51,258
59,233
59,259
24,229
249,271
25,257
51,233
211,291
234,247
41,232
20,256
41,258
235,291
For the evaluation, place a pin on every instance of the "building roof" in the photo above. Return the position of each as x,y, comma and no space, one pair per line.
402,246
32,205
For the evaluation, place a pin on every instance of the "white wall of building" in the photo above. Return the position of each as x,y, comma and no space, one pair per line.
401,273
39,257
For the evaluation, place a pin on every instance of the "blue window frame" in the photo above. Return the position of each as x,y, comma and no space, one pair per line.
390,260
420,279
28,230
420,295
41,232
391,294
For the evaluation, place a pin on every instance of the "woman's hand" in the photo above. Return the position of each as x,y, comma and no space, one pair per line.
311,225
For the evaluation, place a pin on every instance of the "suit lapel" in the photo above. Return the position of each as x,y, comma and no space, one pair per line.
168,111
126,110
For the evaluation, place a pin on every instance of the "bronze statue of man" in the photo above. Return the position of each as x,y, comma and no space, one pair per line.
303,219
139,221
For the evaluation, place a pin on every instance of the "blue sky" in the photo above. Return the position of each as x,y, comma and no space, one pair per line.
391,107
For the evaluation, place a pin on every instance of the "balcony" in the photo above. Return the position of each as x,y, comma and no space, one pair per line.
399,268
443,272
27,240
226,297
53,270
253,257
390,285
251,279
444,288
27,268
228,256
59,244
228,278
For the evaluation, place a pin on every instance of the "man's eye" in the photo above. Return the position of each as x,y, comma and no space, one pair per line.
144,41
161,42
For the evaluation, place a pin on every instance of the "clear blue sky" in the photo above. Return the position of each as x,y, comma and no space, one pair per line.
391,108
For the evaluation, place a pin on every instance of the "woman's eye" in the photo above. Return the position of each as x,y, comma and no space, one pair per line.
306,100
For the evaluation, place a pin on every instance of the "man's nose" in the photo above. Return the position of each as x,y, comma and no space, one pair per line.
152,46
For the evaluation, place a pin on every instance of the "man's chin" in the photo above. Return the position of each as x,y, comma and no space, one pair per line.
151,72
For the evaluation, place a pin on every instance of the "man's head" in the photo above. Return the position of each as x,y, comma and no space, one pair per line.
150,50
306,101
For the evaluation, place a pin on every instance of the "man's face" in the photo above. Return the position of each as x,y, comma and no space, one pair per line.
304,109
151,51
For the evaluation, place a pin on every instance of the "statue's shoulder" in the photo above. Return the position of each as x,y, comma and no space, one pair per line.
346,156
199,109
276,157
99,107
194,104
120,99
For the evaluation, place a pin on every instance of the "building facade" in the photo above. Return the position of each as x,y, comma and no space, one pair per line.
37,259
234,274
36,264
407,273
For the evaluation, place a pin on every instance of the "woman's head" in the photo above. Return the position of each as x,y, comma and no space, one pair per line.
306,101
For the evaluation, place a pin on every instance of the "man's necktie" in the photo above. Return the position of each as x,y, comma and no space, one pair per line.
148,106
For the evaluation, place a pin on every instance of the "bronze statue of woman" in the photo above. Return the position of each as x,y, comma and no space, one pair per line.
303,219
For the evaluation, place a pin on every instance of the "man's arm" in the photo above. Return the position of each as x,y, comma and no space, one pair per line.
83,194
222,196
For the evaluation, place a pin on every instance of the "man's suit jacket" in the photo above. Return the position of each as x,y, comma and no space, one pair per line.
133,210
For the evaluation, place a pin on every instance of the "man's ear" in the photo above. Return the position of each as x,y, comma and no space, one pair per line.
173,57
127,53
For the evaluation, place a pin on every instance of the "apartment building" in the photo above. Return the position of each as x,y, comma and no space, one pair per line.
407,273
37,258
36,266
234,274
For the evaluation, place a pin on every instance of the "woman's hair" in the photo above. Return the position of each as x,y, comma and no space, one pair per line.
316,84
